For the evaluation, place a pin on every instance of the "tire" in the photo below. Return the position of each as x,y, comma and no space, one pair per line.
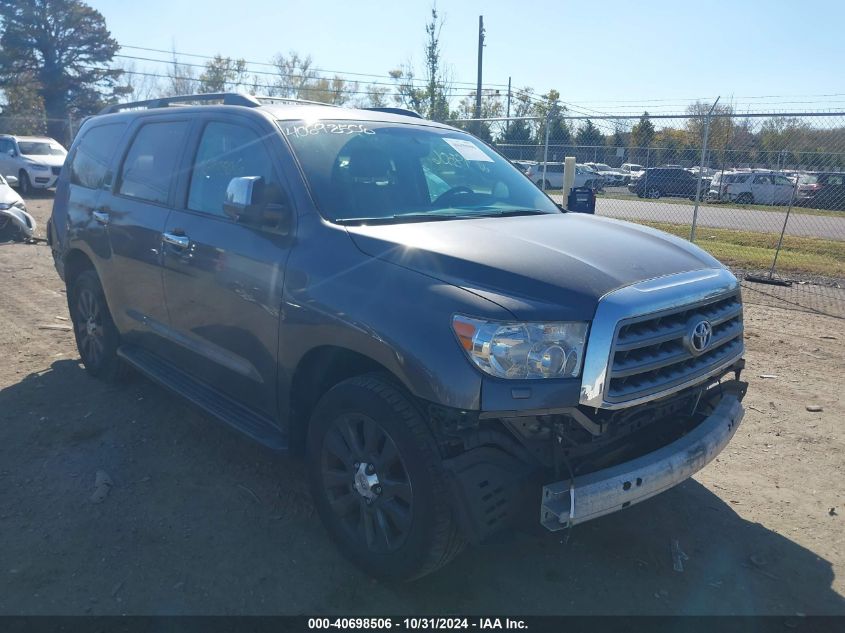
540,182
406,530
97,338
653,193
24,184
745,198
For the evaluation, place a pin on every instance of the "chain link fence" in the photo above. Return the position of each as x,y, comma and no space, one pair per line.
763,192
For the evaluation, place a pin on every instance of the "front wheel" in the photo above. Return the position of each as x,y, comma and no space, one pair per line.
544,184
24,184
745,198
653,192
378,482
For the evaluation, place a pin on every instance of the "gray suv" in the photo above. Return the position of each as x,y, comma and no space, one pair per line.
390,297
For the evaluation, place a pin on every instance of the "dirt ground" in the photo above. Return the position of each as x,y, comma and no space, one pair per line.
200,520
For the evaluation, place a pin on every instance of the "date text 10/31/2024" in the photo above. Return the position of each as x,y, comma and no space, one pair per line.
482,624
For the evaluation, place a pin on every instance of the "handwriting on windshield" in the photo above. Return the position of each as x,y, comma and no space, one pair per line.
315,129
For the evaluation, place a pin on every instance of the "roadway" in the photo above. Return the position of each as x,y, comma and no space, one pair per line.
738,218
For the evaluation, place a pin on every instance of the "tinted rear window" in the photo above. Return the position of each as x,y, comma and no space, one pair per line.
149,167
93,154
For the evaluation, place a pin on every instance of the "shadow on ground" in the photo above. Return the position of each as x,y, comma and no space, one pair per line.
201,520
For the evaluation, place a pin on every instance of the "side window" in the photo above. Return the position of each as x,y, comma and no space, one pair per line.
5,145
762,180
150,165
782,180
229,151
93,154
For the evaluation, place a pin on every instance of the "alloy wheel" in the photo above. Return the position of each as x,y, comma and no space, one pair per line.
367,483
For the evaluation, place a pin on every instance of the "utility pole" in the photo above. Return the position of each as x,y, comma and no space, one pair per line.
509,98
480,54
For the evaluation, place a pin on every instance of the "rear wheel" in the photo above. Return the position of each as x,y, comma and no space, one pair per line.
653,192
745,198
378,482
97,338
543,184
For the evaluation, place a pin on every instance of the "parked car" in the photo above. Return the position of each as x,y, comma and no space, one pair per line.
829,192
631,170
663,181
15,222
523,165
584,176
611,177
751,187
35,161
445,361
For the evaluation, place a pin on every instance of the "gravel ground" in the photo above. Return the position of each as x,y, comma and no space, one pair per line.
199,520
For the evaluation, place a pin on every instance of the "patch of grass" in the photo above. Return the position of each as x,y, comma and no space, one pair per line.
751,250
722,205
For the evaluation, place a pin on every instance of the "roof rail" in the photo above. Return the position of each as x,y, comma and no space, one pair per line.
400,111
227,98
292,100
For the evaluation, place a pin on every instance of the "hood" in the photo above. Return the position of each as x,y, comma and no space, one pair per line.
553,267
9,195
51,160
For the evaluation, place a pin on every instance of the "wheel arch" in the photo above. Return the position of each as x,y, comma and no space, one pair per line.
320,369
75,262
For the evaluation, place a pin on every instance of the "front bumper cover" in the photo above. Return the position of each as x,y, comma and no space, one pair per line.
568,503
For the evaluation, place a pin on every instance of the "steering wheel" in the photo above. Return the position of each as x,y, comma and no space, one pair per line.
454,191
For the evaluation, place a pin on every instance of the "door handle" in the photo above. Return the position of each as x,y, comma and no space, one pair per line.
180,241
101,217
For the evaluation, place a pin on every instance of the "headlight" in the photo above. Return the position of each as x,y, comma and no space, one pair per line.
523,350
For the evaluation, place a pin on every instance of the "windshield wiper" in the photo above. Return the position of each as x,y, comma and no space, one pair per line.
403,217
490,213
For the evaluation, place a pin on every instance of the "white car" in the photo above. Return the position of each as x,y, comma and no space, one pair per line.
584,176
751,187
612,177
631,171
15,222
35,161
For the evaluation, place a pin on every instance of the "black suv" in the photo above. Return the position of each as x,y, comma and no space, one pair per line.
393,299
666,181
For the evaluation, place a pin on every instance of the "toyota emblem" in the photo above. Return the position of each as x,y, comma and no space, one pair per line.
699,336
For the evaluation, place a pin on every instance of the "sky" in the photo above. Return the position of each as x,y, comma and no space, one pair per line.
609,56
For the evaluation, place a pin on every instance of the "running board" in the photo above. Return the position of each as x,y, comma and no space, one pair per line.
257,426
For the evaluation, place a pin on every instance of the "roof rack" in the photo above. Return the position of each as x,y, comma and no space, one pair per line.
226,98
292,100
400,111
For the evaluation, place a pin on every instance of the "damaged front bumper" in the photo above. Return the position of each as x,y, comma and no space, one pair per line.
567,503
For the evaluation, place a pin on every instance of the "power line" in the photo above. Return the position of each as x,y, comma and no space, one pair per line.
271,65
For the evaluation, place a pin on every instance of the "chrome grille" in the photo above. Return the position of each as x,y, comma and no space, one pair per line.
649,355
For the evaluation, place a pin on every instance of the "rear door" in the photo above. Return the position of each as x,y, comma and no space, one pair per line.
762,188
135,211
783,189
223,279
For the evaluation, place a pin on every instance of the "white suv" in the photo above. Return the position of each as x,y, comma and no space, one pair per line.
631,171
584,177
35,161
750,187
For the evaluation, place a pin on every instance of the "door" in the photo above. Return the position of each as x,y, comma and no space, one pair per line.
223,279
762,189
783,189
135,212
8,165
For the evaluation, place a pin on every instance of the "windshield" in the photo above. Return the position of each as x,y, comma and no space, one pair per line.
40,148
369,170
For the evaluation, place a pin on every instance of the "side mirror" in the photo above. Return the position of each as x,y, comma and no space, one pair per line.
250,201
12,181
